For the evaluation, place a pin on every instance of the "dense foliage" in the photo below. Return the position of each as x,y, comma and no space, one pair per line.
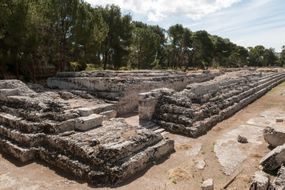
41,35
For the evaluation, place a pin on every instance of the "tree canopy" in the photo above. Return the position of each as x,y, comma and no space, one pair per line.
41,35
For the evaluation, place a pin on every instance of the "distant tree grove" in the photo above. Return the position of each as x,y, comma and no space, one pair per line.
64,35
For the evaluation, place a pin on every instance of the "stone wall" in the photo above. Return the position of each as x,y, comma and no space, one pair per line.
124,87
195,110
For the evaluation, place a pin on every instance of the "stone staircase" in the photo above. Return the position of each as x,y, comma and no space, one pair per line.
195,110
80,137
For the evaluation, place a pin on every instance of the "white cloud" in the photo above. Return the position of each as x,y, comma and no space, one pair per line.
158,10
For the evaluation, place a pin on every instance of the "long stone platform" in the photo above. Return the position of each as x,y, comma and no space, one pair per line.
195,110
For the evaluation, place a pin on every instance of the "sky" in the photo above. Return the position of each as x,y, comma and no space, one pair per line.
245,22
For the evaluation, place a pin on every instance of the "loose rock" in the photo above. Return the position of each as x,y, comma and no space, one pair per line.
242,140
274,136
208,184
200,164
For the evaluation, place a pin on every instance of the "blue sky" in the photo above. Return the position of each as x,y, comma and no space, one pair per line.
245,22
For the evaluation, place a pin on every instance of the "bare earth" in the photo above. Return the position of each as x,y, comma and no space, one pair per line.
218,151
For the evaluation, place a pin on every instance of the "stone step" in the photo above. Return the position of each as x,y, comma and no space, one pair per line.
9,92
96,155
109,114
85,111
88,122
22,154
25,126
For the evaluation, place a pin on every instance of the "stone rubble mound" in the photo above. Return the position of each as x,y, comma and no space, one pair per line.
79,136
195,110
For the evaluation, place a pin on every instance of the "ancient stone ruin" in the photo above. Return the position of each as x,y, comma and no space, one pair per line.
124,87
195,110
73,124
75,134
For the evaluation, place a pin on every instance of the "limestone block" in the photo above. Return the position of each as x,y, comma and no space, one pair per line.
89,122
85,111
109,114
273,159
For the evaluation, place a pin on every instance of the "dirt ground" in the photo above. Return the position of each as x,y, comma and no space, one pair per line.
181,171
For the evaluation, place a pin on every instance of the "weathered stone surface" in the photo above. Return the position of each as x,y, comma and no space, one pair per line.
260,181
274,159
208,184
274,136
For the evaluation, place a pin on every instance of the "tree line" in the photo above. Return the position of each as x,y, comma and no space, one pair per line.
36,35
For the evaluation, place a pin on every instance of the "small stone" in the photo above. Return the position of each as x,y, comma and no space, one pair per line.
200,164
242,139
94,142
279,120
208,184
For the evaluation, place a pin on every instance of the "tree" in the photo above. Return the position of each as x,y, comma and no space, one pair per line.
269,57
144,48
63,15
89,33
203,49
282,57
180,46
256,56
115,47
